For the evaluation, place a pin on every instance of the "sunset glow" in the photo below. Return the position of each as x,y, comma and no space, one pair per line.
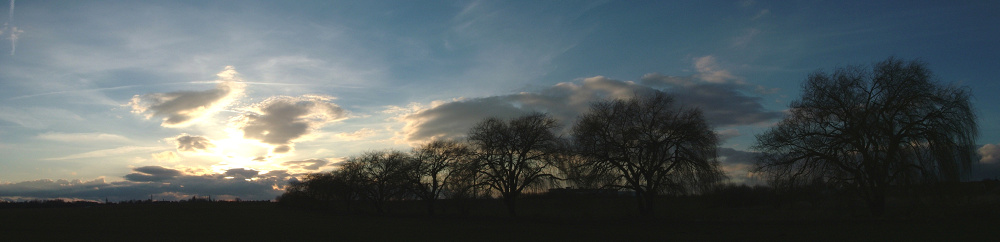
234,99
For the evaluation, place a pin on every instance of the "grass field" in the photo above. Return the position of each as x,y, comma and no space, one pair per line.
257,221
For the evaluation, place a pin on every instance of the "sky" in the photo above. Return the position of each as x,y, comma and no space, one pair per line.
125,100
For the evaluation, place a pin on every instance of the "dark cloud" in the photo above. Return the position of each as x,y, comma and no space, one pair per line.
723,103
182,107
193,143
241,173
152,174
738,165
310,164
265,186
280,121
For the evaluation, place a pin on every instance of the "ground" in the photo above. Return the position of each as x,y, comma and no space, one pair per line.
269,221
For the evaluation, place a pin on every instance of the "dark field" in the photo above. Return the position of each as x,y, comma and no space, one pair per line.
269,221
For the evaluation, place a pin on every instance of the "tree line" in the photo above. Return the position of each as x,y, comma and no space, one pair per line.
644,144
861,129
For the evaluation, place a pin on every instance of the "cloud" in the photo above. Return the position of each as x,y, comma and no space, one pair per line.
719,94
989,154
356,135
190,143
109,152
37,118
727,134
310,164
241,173
280,121
178,109
82,137
166,156
152,174
709,71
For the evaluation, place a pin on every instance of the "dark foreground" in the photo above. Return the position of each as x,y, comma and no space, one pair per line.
269,221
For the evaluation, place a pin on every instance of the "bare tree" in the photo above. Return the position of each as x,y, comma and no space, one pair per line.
513,154
432,168
382,175
652,147
872,128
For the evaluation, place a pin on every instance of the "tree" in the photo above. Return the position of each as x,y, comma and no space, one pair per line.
650,145
381,174
432,169
872,128
513,155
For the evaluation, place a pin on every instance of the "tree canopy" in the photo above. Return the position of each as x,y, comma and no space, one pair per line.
651,146
872,127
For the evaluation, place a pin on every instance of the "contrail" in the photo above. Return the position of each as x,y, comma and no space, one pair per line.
13,29
13,39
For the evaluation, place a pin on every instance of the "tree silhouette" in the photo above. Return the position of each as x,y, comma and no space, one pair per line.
381,174
432,167
650,145
512,155
869,128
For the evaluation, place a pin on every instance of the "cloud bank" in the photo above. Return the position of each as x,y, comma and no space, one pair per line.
161,182
720,95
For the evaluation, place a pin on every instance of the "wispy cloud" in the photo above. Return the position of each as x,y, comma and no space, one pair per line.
82,137
110,152
13,31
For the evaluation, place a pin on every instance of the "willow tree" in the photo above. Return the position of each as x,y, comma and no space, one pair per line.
652,146
513,154
871,128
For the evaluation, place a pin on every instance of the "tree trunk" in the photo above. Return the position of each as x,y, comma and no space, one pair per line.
511,207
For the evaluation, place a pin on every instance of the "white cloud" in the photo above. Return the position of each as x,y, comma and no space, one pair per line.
82,137
309,165
178,109
356,135
709,70
37,117
989,153
282,120
166,157
109,152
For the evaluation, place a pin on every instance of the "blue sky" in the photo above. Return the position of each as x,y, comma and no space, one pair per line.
124,99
